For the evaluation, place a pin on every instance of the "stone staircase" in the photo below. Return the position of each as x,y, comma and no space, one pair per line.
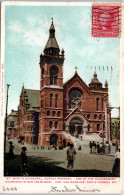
84,139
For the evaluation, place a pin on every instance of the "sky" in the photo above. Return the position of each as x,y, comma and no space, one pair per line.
26,34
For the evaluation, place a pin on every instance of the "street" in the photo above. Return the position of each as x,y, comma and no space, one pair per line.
53,162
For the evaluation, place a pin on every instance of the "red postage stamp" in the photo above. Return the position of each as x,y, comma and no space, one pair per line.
105,20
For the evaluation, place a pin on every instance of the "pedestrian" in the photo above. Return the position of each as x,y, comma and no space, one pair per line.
97,147
101,148
93,147
116,167
71,152
90,144
79,148
11,148
107,148
24,161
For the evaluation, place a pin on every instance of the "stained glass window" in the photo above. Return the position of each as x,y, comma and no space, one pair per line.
75,98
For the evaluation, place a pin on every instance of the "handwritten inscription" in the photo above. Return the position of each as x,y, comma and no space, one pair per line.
7,189
76,188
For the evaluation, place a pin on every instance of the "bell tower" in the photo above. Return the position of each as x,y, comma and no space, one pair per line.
51,92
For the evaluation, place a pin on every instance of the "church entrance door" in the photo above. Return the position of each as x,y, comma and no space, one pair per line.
75,127
53,139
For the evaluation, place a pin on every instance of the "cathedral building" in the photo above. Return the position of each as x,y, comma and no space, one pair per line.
61,112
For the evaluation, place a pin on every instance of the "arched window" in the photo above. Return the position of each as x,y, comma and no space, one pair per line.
88,127
53,113
102,103
100,117
98,126
75,98
58,114
42,70
97,104
64,126
53,75
88,116
51,96
48,112
50,124
56,97
27,128
95,116
27,118
56,124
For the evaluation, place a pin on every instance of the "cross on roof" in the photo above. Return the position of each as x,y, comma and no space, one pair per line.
52,19
76,68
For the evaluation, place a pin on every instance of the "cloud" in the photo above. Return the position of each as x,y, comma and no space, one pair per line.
15,26
28,34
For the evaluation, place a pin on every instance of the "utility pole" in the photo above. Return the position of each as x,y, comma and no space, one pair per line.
8,85
102,137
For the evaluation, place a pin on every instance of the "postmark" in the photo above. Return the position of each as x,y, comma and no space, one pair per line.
105,20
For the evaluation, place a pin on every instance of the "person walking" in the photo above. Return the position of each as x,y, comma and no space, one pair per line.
93,147
97,147
24,161
71,152
107,148
11,148
116,166
90,144
101,148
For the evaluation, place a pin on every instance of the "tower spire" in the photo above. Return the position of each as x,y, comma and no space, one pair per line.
52,30
52,47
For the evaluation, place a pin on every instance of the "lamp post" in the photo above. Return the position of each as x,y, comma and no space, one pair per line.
8,85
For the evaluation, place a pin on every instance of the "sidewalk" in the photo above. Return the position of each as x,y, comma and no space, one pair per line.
57,159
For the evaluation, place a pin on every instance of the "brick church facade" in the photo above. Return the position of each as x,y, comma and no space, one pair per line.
60,111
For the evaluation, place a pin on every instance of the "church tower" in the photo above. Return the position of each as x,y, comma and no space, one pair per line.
51,92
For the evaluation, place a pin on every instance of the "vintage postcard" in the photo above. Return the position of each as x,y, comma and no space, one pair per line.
61,100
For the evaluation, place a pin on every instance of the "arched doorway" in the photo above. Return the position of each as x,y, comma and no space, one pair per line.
64,143
53,139
75,127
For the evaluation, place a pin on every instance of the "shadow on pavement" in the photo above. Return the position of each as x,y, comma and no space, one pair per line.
42,167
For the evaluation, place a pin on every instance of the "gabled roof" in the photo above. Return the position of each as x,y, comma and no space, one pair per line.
32,98
13,113
75,110
74,76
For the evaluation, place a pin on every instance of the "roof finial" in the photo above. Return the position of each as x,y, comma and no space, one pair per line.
52,20
76,69
23,85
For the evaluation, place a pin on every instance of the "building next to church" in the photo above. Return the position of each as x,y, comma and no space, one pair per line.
59,111
28,116
12,124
